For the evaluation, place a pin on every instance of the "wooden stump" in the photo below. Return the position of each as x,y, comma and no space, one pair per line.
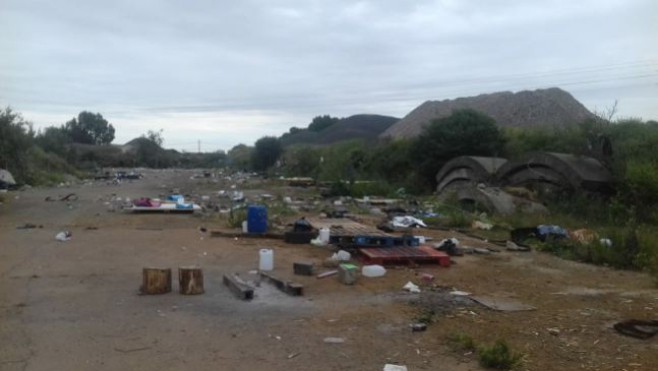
190,280
156,281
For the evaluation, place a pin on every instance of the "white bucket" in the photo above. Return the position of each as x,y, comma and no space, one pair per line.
266,262
245,227
324,235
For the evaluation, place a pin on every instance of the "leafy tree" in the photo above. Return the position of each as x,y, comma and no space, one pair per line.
320,123
54,139
342,161
154,136
391,161
302,161
15,140
267,151
239,157
90,128
464,132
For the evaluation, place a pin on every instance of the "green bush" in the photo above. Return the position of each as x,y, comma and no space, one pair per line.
236,217
361,189
426,316
461,341
48,168
457,219
499,356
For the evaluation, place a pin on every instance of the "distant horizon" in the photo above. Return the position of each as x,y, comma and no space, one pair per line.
189,149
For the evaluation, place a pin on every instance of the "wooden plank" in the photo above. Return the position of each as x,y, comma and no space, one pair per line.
239,288
290,288
327,274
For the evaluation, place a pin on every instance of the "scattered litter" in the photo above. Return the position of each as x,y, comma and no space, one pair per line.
373,271
556,232
449,245
293,355
341,255
414,289
407,222
324,235
63,236
69,197
605,242
391,367
131,350
418,327
426,277
553,331
480,225
327,274
583,236
347,273
303,268
511,246
639,329
302,225
482,251
318,242
460,293
29,226
237,196
334,340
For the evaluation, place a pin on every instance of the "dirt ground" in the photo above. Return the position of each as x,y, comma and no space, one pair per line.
75,305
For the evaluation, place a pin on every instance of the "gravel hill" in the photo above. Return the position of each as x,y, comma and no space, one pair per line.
542,107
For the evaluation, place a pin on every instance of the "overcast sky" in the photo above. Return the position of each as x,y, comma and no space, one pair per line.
229,72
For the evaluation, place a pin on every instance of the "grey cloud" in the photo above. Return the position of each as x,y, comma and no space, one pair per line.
303,58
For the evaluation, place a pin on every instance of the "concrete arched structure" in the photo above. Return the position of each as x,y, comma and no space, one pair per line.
556,171
467,170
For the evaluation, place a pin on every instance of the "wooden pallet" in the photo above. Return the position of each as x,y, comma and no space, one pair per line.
343,231
384,241
404,255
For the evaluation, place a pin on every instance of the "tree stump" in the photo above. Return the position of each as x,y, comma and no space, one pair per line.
156,281
190,280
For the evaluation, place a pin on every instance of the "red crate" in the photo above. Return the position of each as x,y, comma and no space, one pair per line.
404,255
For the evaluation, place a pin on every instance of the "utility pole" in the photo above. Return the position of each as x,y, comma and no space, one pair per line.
199,146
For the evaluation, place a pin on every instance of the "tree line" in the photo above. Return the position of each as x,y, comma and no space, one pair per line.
627,147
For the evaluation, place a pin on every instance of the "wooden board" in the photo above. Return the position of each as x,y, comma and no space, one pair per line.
502,304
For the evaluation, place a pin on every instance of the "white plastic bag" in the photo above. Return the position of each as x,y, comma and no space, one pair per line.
414,289
63,236
341,255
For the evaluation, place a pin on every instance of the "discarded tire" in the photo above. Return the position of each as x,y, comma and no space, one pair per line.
637,328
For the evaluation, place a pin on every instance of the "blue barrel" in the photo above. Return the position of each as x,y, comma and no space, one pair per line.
256,219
